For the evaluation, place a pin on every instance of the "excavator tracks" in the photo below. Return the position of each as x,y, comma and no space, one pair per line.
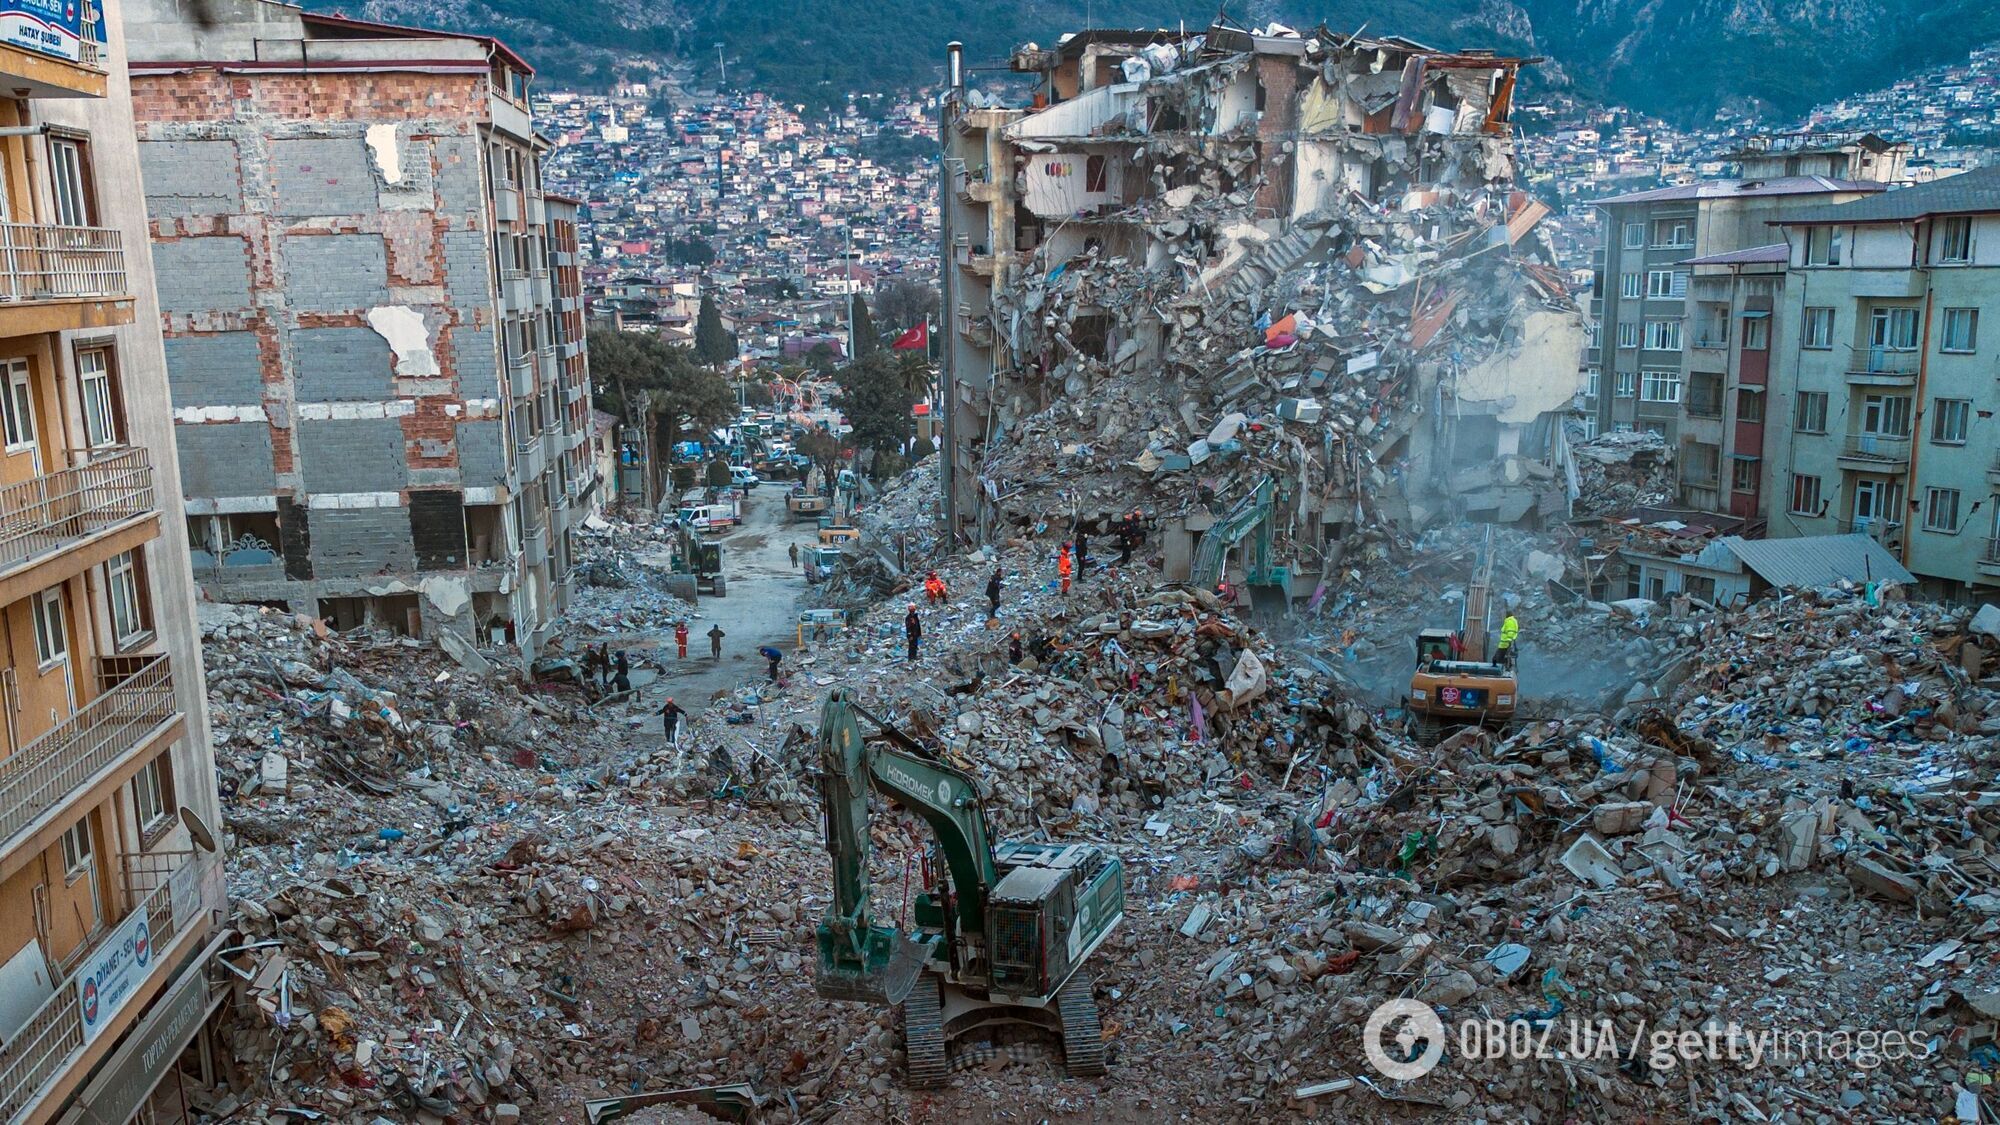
923,1035
1082,1034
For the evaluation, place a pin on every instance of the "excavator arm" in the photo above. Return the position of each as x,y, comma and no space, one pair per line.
860,960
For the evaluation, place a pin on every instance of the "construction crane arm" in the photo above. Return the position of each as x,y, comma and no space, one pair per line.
857,955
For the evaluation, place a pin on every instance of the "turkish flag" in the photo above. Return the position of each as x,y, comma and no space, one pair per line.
916,339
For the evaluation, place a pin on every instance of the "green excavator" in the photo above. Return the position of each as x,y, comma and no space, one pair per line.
997,942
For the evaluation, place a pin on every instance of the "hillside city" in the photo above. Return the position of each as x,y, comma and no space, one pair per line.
1196,574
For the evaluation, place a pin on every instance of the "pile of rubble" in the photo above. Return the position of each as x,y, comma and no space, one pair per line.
1623,470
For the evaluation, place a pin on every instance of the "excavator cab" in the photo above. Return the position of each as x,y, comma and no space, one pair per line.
1434,645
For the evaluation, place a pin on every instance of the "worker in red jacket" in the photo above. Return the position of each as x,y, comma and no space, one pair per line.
1064,567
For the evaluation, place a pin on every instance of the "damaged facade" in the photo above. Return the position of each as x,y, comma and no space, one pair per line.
380,416
1201,263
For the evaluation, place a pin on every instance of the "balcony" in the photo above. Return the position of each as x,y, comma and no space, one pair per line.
176,898
1702,406
516,290
529,460
507,204
535,547
570,349
540,289
521,376
73,519
135,709
1709,340
1886,369
538,211
54,278
1886,532
1988,561
1875,453
549,366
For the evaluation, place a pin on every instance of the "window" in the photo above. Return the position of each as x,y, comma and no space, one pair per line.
1663,335
19,408
1660,386
1894,329
1817,332
1635,236
1810,416
1743,475
1955,240
76,848
1593,382
1628,384
1756,333
152,793
1629,286
1961,330
100,412
1628,335
1805,495
1094,174
1749,405
1673,233
1666,284
69,176
124,586
51,642
1950,419
1886,416
1822,246
1940,509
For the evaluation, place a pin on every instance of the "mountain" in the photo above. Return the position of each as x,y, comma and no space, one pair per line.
1681,59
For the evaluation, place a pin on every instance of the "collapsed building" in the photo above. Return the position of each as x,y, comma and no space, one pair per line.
1198,263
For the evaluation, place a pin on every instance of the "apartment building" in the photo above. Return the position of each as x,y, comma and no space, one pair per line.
110,896
572,482
1884,393
1673,356
369,389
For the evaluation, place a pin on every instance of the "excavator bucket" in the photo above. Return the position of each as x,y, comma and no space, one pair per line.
883,975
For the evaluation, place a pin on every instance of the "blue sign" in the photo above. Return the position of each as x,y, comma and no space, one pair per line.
47,27
113,972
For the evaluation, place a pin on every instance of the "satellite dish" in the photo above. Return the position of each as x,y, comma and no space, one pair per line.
197,830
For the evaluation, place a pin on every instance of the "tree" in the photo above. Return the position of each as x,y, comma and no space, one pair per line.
718,473
865,339
823,359
914,371
823,449
921,448
873,396
712,343
903,303
659,386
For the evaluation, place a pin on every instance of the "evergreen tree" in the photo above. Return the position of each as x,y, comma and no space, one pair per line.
865,339
712,343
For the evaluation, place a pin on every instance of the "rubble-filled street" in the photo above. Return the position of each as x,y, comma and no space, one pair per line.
479,898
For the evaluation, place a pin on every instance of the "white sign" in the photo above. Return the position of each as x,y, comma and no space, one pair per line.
113,972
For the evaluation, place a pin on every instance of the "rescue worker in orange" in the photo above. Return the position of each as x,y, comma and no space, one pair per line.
1065,567
934,587
681,638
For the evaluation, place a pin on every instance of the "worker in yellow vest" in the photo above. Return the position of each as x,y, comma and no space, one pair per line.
1510,631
